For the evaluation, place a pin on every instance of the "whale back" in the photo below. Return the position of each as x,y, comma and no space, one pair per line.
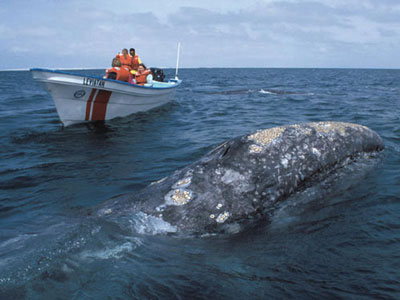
243,178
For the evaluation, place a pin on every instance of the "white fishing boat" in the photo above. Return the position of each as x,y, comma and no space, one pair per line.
81,98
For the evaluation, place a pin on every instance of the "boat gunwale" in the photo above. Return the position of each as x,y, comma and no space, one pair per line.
178,82
132,92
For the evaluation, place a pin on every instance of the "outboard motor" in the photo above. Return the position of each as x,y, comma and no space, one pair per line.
112,75
158,74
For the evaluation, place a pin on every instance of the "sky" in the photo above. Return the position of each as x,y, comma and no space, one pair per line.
212,33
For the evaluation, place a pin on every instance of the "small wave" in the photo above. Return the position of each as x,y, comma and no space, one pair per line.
19,182
282,92
261,91
265,92
15,241
111,252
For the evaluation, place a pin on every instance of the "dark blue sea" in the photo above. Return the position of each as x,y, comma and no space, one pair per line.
339,245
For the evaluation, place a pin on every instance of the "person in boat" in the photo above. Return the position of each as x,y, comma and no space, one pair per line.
117,71
135,60
142,75
125,58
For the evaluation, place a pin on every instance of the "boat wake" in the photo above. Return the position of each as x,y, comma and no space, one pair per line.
281,92
260,91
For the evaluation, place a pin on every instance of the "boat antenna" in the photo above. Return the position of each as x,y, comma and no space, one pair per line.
177,61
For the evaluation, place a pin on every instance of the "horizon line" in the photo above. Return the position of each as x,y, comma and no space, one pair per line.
97,68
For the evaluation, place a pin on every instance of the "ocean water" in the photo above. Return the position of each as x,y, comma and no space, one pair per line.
343,242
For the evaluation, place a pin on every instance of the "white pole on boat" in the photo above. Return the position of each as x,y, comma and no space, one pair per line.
177,61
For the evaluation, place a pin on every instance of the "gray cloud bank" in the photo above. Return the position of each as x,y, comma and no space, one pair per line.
361,34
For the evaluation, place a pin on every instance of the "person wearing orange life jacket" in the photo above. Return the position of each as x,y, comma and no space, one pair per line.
125,59
135,60
143,75
117,72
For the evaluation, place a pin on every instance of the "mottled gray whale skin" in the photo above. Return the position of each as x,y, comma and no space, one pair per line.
241,179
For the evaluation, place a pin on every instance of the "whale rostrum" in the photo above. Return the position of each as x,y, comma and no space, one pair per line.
241,179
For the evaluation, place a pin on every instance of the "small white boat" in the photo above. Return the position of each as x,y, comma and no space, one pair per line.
81,98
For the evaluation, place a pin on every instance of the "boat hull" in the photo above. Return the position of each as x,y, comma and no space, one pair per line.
81,99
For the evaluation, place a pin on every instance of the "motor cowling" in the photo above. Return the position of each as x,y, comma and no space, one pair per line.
158,74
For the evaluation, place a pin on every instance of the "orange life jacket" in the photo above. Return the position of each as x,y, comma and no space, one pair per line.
141,77
134,62
125,62
122,73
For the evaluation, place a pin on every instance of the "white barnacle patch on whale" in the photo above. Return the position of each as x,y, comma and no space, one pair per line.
182,183
316,152
178,196
263,138
160,208
222,217
305,131
339,127
285,162
255,149
106,211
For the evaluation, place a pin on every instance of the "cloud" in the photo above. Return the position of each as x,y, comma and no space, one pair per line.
304,31
5,32
276,33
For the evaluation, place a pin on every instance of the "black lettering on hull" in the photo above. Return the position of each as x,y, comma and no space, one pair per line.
93,82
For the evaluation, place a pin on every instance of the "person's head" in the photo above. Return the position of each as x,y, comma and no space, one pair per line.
115,62
132,51
141,67
124,51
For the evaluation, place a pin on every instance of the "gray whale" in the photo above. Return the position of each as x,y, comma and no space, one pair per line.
241,179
